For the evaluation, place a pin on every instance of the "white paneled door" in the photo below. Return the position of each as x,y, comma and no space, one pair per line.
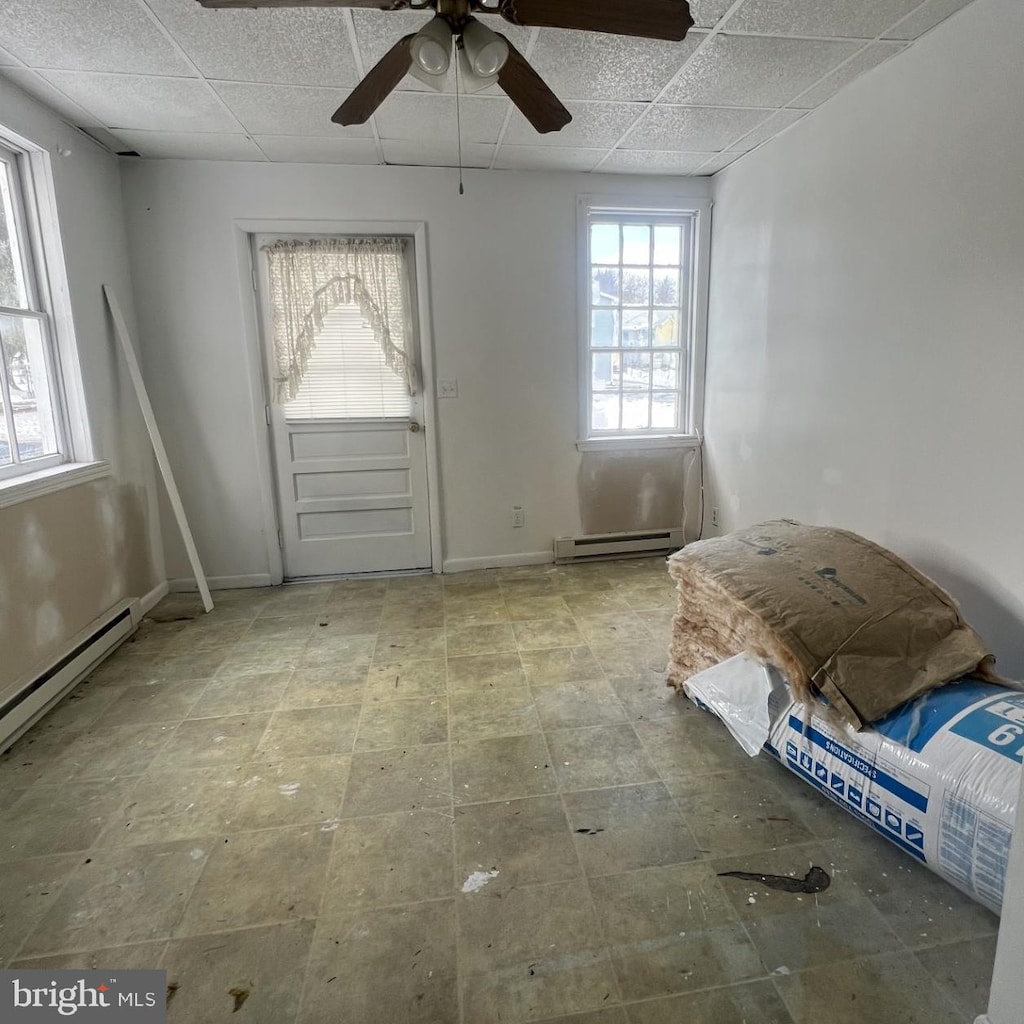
350,455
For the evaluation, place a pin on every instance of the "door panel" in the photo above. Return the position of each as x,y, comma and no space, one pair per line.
350,458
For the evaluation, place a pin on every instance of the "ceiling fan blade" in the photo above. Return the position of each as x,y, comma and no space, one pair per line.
375,88
650,19
381,5
529,92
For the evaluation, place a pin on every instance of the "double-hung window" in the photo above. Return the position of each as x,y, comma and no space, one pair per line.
643,324
32,434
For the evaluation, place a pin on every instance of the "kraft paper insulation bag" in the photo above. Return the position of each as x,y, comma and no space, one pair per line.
838,615
939,777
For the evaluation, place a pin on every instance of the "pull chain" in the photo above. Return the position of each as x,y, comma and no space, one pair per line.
458,119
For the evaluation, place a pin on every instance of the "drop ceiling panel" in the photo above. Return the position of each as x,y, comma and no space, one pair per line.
547,158
756,71
638,161
779,121
287,109
719,162
35,85
692,129
594,125
296,150
431,117
707,13
151,104
871,56
89,35
437,154
587,65
190,145
860,19
299,47
180,80
925,17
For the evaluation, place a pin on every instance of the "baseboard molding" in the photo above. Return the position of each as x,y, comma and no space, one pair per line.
498,561
149,601
188,585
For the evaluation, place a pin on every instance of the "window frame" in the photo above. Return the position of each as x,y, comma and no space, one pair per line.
670,210
48,297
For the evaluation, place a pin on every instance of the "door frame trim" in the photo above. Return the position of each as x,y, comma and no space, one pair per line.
245,228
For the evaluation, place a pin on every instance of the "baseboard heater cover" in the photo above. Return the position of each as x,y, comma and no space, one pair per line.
43,688
616,545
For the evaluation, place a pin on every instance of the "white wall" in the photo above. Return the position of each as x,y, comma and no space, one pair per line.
503,295
67,557
866,340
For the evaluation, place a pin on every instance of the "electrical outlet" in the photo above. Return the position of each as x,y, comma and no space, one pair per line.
714,515
518,517
448,388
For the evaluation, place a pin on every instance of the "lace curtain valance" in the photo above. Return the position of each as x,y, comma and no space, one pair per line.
311,277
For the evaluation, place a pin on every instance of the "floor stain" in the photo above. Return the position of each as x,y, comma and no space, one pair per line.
816,880
240,994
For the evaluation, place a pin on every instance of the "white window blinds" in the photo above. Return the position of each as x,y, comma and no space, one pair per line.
347,376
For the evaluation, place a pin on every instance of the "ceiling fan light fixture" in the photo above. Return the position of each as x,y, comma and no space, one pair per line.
469,81
432,48
486,51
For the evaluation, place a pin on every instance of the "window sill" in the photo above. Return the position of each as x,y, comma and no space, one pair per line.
615,444
47,481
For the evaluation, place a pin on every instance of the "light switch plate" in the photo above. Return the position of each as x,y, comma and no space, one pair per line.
448,389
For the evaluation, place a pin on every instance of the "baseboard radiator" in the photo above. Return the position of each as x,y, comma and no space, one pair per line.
35,694
616,545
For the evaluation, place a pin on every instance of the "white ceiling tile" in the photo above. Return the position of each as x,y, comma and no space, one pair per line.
593,126
429,117
288,109
436,154
108,140
924,18
190,145
707,13
154,104
860,19
751,71
721,161
691,129
870,57
768,129
293,149
8,59
280,45
88,35
547,158
588,65
35,85
642,161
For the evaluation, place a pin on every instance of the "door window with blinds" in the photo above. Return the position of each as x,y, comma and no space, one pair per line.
342,328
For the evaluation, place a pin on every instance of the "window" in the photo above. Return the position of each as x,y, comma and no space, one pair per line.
347,376
643,342
31,418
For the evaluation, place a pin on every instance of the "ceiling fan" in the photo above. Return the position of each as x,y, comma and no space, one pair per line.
486,57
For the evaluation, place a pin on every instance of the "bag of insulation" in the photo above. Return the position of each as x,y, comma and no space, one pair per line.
939,776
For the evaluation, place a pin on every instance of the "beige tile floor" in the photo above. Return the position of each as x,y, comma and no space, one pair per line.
288,797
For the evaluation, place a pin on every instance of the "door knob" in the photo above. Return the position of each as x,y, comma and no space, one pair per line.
414,426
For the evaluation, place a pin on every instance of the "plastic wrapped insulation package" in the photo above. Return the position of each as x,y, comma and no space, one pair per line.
939,776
